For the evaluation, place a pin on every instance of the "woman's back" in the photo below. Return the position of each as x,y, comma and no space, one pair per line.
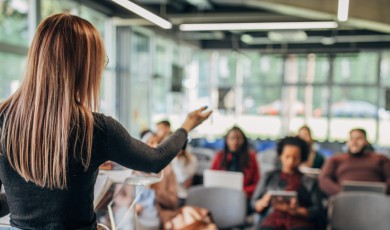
71,208
33,207
51,142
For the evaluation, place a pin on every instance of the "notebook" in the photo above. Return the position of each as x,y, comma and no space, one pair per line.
223,179
364,186
105,180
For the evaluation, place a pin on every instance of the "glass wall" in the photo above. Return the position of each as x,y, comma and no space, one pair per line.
14,22
13,44
14,40
384,100
268,95
11,70
276,94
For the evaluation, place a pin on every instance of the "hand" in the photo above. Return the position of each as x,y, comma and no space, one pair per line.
188,183
195,118
295,210
262,203
280,205
138,209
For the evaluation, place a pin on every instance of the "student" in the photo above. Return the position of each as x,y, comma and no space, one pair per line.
184,165
360,163
237,157
315,159
163,129
52,143
305,211
166,198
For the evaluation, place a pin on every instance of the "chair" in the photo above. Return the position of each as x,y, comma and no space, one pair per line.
267,161
204,157
227,206
359,211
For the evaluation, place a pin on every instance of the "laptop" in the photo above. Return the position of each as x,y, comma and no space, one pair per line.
223,179
364,186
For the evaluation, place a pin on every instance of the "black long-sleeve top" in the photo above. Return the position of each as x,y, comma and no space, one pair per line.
33,207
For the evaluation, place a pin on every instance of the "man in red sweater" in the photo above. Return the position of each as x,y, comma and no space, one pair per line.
359,164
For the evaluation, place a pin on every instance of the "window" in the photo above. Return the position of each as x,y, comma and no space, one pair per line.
353,107
11,70
14,22
356,68
140,82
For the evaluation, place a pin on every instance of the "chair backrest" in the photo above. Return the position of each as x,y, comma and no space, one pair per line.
359,211
204,157
364,186
227,206
267,161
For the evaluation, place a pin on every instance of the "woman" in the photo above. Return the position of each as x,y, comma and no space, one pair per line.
237,157
315,159
184,165
52,143
302,213
165,197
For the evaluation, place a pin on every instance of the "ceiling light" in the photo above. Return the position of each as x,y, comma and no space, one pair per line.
246,38
328,41
287,36
342,12
259,26
144,13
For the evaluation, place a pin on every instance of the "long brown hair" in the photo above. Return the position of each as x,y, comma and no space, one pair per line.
56,98
243,152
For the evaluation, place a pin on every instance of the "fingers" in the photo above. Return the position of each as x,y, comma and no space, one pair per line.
203,108
207,114
267,196
293,202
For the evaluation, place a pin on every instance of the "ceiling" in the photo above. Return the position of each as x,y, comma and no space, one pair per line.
368,26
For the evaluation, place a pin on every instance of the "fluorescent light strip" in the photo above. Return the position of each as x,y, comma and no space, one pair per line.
259,26
342,12
144,13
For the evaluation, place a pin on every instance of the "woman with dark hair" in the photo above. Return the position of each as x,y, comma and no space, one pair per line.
53,141
305,212
237,157
315,159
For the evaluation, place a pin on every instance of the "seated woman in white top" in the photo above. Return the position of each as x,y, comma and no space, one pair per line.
184,165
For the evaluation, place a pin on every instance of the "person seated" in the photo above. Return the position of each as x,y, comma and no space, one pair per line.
184,166
303,212
236,156
163,129
360,163
164,192
315,159
165,195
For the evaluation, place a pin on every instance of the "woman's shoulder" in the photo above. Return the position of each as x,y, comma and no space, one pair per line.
273,173
103,121
252,154
100,116
193,158
219,154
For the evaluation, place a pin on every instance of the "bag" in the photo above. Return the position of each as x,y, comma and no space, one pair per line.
191,218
